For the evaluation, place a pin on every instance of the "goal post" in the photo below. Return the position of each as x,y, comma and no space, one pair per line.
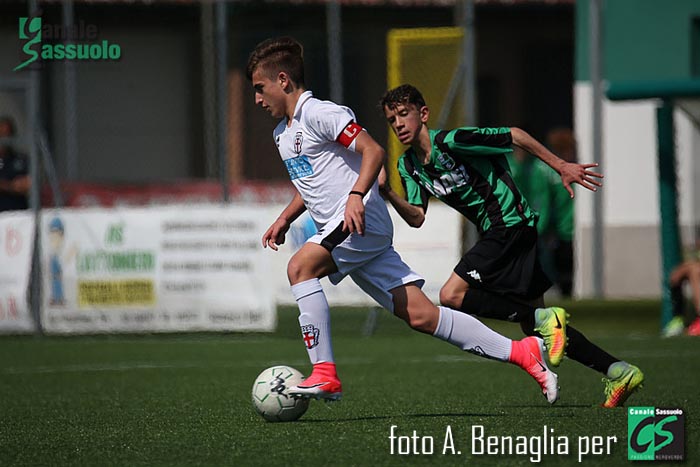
429,59
685,94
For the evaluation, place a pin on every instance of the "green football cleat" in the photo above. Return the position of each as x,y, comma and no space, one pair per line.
550,323
623,379
674,328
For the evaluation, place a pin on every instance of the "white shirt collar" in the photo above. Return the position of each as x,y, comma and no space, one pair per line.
305,96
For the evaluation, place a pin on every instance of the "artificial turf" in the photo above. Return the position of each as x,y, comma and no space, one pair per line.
185,399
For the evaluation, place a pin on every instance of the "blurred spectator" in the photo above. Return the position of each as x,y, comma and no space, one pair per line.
543,189
685,273
561,141
14,174
532,177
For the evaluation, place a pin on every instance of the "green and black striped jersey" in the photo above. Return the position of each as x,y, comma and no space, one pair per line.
468,170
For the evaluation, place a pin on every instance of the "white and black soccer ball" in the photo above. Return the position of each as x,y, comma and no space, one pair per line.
271,398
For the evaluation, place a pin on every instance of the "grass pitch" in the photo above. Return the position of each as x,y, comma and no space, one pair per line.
185,399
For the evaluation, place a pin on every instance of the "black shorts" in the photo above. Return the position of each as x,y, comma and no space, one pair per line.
505,261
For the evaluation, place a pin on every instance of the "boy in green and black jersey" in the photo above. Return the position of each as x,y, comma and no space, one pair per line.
500,276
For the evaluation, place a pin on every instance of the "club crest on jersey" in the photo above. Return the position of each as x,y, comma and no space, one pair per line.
310,335
446,161
298,139
277,141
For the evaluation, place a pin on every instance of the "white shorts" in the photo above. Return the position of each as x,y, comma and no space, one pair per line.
370,260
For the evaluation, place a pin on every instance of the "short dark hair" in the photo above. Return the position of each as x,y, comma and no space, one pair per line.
278,54
402,95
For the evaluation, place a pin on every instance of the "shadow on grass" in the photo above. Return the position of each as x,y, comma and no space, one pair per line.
553,407
400,417
558,412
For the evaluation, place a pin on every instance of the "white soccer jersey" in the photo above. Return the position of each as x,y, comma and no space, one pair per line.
318,150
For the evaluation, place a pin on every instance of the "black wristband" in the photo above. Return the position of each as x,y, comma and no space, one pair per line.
359,193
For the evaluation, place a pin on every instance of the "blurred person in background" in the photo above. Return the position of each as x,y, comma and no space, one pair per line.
14,170
553,205
500,277
533,179
686,273
559,235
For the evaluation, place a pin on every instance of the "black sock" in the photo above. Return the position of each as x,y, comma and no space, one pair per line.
587,353
528,325
490,305
579,348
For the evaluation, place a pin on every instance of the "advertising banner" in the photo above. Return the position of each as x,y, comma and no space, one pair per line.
175,268
16,246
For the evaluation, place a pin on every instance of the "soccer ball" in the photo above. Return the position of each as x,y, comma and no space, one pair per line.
270,397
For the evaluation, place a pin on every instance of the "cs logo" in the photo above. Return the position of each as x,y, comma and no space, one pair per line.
655,434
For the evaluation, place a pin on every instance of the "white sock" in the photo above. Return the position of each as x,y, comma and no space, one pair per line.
315,320
470,334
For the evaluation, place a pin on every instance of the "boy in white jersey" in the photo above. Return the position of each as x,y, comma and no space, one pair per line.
334,163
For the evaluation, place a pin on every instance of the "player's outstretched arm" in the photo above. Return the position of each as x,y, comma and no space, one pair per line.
413,215
570,172
275,234
373,157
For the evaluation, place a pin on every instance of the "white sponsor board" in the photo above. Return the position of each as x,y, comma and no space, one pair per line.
16,245
175,268
432,251
198,268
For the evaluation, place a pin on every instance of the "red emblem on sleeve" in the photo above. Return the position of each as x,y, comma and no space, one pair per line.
349,134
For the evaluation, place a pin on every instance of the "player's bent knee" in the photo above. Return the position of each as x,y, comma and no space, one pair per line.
421,323
412,306
422,320
296,270
416,321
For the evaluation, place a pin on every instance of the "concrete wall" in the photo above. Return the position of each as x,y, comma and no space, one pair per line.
632,249
641,40
139,117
